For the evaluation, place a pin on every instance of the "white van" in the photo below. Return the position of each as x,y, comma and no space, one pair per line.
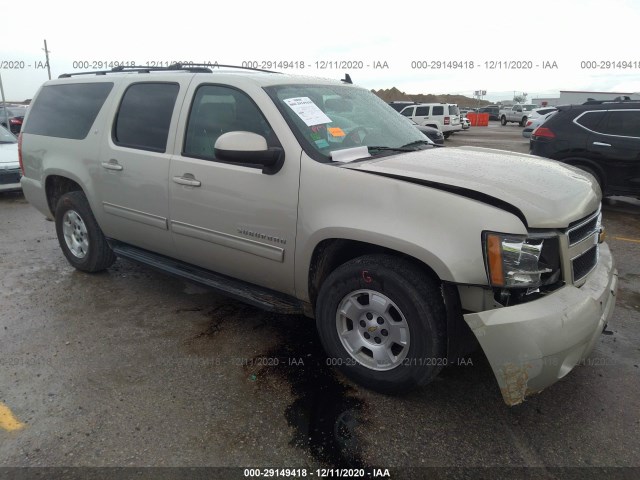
443,116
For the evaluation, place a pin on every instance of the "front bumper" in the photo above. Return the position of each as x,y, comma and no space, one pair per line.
532,345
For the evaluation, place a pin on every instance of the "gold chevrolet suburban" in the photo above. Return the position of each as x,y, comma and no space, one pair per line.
305,195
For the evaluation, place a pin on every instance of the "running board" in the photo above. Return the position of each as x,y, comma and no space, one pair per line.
257,296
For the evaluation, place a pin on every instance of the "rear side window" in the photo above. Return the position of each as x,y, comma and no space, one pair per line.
590,120
144,116
67,111
438,110
422,111
625,123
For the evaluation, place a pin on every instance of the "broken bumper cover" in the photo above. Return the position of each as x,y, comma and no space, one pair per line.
532,345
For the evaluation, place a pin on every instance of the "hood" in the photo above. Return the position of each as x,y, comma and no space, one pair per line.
543,193
9,155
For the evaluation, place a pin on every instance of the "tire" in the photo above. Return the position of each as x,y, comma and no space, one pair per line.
446,134
503,120
408,303
523,122
79,235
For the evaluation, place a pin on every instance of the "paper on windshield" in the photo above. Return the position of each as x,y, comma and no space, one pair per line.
308,111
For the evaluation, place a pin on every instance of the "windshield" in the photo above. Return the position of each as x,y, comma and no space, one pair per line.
6,136
332,118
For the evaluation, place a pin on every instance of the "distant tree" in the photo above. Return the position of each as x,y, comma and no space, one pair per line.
520,98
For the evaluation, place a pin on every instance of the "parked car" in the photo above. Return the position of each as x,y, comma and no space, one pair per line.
314,197
492,110
9,164
601,138
443,116
398,105
15,116
433,134
535,123
518,113
540,112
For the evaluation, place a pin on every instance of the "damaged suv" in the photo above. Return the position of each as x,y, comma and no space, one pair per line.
302,195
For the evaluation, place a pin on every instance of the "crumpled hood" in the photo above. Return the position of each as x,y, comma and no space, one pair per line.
548,193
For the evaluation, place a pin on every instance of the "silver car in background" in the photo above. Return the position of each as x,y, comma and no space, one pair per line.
532,124
9,163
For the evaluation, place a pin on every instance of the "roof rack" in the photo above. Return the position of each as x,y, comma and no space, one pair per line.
621,99
191,67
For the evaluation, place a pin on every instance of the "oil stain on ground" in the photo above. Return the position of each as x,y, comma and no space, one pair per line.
325,413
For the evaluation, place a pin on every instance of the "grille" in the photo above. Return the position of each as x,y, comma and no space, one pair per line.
583,264
9,176
583,230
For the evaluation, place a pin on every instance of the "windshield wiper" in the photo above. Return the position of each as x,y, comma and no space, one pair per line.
390,149
417,142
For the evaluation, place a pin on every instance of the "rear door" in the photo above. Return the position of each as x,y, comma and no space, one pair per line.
618,145
133,169
421,115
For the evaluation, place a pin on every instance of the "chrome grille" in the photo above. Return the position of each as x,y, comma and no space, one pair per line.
584,228
583,264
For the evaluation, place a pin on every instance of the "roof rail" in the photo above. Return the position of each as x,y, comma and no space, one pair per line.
190,67
622,99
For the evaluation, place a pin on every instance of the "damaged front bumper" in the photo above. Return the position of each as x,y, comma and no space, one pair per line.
532,345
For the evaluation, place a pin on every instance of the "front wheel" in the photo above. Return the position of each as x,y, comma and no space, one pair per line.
503,120
382,322
79,235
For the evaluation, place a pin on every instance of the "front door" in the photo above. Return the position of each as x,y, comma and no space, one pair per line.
232,218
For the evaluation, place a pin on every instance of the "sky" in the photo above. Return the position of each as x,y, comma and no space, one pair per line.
455,47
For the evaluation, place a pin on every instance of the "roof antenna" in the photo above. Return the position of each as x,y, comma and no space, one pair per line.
347,78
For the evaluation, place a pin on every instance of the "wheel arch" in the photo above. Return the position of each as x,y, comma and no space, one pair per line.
56,186
332,252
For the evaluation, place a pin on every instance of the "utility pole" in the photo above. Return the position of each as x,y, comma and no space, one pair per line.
6,112
46,52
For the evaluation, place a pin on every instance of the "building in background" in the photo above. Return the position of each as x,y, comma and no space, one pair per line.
568,97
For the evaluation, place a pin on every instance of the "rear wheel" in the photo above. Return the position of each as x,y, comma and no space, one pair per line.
523,122
79,235
382,322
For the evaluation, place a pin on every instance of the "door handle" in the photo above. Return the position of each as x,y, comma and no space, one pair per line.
112,165
600,144
187,179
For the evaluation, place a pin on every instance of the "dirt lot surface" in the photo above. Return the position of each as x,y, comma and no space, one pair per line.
134,368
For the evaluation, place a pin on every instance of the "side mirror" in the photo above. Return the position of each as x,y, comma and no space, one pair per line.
249,148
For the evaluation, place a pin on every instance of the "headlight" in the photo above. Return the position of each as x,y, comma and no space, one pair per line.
518,261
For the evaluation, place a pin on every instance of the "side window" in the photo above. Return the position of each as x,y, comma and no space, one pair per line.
623,122
422,111
407,112
591,120
217,110
438,110
67,111
144,116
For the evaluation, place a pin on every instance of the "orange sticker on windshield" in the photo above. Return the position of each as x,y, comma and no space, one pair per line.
336,132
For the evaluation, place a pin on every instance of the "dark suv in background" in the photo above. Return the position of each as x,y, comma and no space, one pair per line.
601,138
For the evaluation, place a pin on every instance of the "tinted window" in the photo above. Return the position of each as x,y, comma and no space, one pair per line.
407,112
217,110
590,120
438,110
623,122
145,115
67,111
544,111
422,111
